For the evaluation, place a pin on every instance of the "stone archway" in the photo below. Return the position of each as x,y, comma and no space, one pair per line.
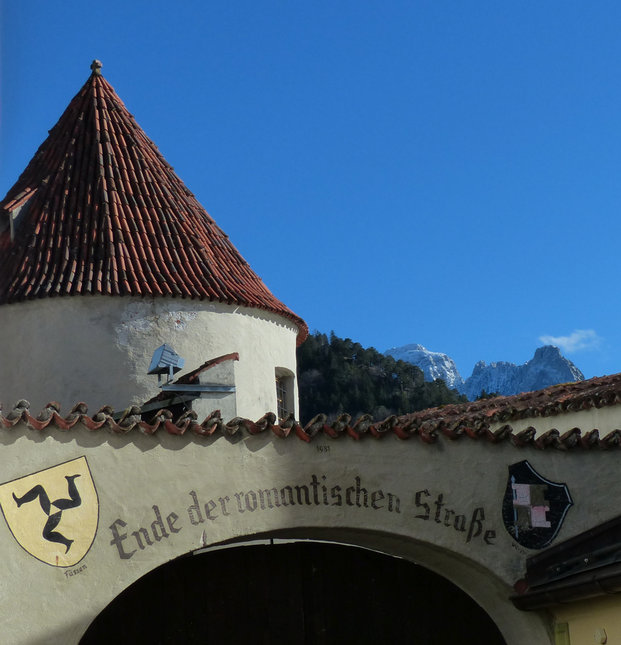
298,592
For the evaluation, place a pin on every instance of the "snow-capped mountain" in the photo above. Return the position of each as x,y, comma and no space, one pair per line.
433,364
547,367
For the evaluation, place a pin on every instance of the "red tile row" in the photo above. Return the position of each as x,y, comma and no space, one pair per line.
488,420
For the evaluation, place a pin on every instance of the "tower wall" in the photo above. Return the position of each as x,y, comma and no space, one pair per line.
65,349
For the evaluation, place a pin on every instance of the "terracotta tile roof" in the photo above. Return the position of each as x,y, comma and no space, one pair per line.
467,420
102,212
476,418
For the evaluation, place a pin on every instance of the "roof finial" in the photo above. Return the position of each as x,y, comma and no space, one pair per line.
96,67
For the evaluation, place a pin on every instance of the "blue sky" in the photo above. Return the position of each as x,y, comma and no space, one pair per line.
444,173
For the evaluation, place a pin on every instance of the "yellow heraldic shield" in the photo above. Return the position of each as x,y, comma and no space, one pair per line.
53,513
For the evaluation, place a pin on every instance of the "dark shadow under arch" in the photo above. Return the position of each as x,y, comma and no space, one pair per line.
309,593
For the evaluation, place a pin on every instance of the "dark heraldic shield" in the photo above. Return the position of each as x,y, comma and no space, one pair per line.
533,507
53,513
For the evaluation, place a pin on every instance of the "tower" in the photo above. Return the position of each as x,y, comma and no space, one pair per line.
105,255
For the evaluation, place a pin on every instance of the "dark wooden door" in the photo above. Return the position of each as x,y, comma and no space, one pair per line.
304,592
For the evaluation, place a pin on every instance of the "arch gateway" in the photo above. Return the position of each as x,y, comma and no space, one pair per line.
512,500
496,520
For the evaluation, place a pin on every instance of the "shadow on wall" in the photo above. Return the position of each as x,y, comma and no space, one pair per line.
300,592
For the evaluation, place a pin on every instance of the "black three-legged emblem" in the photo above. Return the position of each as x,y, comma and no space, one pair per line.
61,504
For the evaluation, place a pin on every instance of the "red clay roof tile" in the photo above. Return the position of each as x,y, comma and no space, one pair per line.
104,213
452,422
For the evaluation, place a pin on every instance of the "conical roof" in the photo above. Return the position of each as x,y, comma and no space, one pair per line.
98,210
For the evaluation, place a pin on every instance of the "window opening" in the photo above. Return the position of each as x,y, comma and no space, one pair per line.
281,396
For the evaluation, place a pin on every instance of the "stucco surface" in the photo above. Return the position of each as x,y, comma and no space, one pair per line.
56,349
205,491
592,621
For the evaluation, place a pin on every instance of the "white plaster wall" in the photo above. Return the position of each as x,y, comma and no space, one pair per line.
98,347
134,472
222,374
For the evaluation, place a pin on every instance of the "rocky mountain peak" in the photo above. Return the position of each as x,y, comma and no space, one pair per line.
434,365
547,367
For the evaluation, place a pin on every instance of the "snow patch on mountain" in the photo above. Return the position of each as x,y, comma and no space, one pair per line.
547,367
433,364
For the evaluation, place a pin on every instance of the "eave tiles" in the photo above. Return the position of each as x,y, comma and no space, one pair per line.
488,420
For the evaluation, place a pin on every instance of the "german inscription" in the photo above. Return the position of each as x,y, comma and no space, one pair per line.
318,491
434,508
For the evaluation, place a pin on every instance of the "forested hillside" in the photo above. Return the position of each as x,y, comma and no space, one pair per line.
337,375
